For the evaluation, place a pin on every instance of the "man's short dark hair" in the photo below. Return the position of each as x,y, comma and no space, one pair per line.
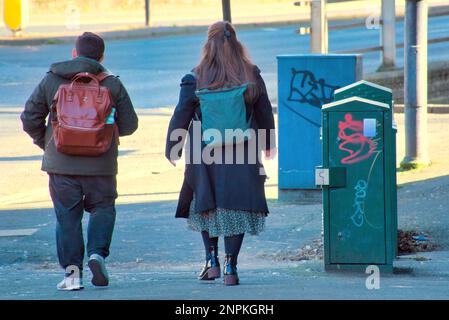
90,45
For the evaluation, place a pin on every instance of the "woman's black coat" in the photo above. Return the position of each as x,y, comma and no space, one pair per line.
228,186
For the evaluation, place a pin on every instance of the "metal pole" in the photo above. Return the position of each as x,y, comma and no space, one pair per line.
388,34
226,5
318,26
415,84
147,13
325,27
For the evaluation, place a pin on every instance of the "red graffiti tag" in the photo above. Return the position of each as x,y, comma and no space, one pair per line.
356,138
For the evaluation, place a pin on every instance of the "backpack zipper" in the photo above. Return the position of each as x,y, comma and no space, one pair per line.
78,128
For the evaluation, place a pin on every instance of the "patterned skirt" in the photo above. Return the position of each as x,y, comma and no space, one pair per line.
226,222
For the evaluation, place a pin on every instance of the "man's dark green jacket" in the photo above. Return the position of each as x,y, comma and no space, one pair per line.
36,124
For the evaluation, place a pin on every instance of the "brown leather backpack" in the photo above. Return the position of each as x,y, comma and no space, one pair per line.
80,111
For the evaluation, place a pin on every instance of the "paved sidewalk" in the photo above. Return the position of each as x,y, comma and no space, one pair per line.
154,256
115,33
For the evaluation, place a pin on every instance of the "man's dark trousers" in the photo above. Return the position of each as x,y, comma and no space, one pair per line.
72,195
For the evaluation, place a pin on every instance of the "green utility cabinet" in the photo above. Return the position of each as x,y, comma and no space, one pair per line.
372,91
356,177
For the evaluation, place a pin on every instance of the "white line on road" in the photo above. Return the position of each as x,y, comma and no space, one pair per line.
17,232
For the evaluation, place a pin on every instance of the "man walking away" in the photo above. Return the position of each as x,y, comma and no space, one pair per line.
88,109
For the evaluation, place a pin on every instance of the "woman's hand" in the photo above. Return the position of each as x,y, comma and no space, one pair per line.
173,162
270,154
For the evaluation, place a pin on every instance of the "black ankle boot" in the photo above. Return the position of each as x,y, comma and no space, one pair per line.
231,277
211,269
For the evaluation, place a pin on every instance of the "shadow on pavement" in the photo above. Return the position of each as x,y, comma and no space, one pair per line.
423,206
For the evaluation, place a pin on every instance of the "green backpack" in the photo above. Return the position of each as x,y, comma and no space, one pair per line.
223,109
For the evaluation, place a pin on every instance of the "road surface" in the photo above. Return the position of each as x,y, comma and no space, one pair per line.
152,68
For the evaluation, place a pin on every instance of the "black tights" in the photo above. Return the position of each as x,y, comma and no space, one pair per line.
232,245
209,242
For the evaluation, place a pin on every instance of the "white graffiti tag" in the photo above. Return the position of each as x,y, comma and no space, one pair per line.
358,218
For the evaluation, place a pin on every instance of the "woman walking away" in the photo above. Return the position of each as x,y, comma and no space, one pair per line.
223,197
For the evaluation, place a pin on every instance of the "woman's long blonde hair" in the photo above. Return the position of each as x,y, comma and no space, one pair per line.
225,62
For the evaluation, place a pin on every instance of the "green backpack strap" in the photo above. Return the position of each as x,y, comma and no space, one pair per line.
195,76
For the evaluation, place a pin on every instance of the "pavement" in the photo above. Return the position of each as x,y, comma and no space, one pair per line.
154,256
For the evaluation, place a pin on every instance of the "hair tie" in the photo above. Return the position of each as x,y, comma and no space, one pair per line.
227,33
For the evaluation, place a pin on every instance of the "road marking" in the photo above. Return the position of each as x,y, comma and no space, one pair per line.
17,232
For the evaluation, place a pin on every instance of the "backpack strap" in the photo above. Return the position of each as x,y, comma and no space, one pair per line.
195,76
102,76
